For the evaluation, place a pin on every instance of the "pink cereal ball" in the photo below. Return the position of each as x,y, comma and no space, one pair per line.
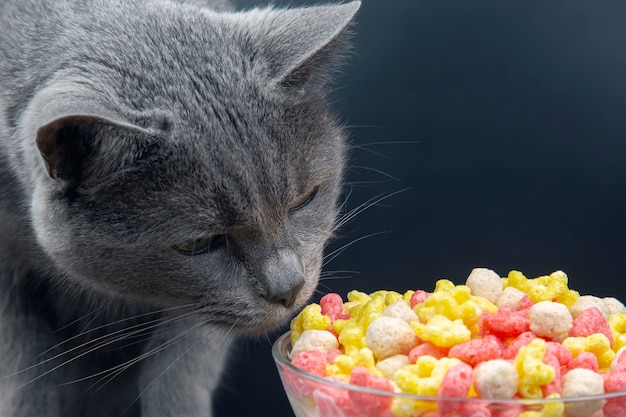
455,384
615,381
506,323
476,351
426,348
585,360
312,361
334,403
369,404
554,386
591,321
525,303
418,297
332,306
510,352
563,354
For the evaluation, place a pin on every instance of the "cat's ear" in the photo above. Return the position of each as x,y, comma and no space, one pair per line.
69,144
303,46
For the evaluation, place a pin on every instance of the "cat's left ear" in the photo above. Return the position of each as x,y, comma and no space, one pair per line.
76,147
304,46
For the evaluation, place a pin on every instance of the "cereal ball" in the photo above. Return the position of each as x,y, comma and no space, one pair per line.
549,319
390,365
619,359
586,301
400,310
485,283
496,379
581,382
321,340
510,297
388,336
614,305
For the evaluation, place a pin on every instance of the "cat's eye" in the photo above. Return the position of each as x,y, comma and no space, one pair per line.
201,245
304,200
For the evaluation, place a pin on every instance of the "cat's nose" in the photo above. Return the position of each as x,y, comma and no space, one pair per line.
283,277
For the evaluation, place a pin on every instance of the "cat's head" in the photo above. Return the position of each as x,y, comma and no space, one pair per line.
192,159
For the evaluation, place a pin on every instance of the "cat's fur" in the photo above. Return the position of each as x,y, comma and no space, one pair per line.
127,127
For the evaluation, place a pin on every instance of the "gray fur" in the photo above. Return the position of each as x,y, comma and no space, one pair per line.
127,128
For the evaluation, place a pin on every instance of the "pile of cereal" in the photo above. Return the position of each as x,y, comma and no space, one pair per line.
492,338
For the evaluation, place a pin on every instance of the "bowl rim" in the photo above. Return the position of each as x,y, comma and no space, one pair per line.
282,345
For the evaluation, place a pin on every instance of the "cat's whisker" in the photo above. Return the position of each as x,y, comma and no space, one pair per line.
139,328
378,171
224,339
85,331
332,255
119,369
366,205
324,274
78,320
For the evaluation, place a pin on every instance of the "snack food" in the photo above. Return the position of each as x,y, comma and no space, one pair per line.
511,339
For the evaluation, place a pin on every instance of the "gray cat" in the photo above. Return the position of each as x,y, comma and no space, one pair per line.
169,175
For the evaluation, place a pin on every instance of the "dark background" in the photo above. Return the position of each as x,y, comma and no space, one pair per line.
507,122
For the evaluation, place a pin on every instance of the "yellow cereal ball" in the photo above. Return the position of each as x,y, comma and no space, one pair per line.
597,343
617,324
352,337
496,379
549,319
441,331
518,280
581,382
553,408
532,371
344,364
388,336
485,283
310,318
321,340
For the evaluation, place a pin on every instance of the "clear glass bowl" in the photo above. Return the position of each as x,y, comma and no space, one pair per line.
314,396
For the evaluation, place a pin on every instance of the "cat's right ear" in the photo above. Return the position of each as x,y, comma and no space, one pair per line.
71,145
302,47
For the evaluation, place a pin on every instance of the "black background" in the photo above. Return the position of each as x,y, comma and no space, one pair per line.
506,121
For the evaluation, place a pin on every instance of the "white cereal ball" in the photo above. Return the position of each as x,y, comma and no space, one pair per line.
388,336
322,340
510,297
550,319
390,365
614,305
586,301
485,283
400,310
496,379
616,357
581,382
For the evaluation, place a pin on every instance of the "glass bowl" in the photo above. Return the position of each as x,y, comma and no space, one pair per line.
313,396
